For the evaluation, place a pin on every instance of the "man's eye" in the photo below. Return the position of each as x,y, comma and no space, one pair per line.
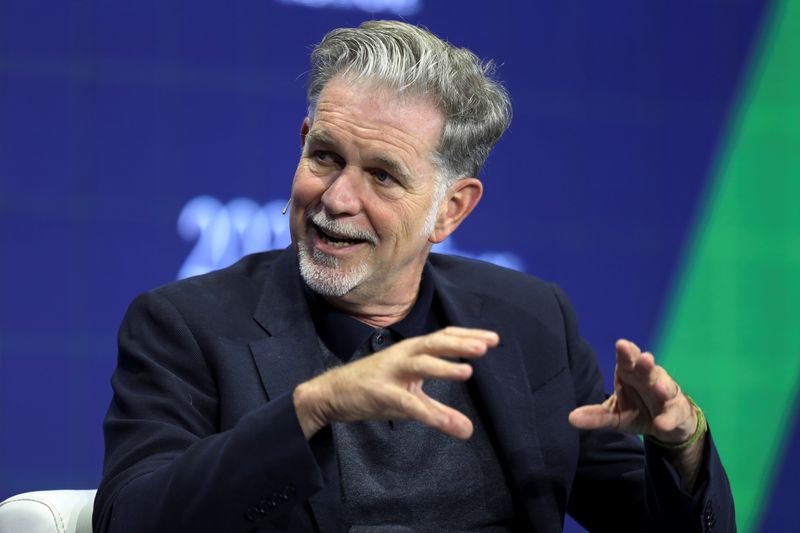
322,155
382,176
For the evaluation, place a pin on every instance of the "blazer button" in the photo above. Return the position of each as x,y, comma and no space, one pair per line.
286,493
251,514
709,520
264,506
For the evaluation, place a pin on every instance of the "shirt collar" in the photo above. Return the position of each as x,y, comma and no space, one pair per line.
343,334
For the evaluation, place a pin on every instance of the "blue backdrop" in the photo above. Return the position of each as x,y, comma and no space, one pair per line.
116,116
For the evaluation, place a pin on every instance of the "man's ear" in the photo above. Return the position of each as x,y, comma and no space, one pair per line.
460,199
304,131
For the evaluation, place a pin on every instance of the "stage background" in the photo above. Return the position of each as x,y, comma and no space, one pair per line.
652,170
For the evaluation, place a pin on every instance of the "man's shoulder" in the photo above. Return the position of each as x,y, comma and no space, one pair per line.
534,309
463,268
241,281
488,279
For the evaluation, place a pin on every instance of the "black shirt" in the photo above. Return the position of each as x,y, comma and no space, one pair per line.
403,476
343,335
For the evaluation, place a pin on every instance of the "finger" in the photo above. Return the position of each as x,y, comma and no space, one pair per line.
456,424
441,344
636,364
594,417
486,335
606,416
428,411
650,381
429,367
628,356
665,389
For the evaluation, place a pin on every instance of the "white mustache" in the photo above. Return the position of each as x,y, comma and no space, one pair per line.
342,230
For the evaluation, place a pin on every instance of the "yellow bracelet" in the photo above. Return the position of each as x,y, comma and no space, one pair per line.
702,426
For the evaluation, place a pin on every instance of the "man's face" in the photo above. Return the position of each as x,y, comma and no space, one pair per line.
363,189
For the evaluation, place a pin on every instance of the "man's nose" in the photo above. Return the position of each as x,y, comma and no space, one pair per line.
343,195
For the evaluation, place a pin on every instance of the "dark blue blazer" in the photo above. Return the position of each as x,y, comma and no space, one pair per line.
202,435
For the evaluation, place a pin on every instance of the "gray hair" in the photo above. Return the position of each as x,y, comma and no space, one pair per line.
412,60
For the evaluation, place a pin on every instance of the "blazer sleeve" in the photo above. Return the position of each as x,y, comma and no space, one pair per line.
167,466
623,485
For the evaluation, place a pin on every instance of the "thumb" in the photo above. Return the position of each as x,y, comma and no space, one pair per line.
593,417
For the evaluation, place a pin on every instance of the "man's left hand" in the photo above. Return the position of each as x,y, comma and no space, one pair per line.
648,401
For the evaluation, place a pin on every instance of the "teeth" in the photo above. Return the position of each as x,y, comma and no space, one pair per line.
336,243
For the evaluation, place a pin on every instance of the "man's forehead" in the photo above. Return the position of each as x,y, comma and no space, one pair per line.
391,132
378,100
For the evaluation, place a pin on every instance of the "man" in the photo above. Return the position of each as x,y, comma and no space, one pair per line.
356,383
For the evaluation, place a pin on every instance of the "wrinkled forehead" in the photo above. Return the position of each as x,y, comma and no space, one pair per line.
376,103
396,106
375,115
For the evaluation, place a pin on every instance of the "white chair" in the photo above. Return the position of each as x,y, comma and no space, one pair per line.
48,511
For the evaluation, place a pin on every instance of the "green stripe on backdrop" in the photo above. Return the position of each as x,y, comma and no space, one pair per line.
731,333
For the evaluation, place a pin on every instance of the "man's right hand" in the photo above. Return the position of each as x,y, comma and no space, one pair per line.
387,385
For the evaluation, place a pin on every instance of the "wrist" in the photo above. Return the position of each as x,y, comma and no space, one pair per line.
688,439
308,405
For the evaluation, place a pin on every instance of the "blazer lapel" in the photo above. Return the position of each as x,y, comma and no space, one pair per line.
502,388
290,355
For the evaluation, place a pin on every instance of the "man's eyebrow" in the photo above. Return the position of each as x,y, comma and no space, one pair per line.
390,165
320,137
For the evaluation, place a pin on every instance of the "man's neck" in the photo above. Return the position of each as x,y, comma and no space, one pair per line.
387,299
380,312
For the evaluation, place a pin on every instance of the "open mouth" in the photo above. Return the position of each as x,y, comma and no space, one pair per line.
337,241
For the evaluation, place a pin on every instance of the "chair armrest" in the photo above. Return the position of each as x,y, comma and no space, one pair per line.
48,511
